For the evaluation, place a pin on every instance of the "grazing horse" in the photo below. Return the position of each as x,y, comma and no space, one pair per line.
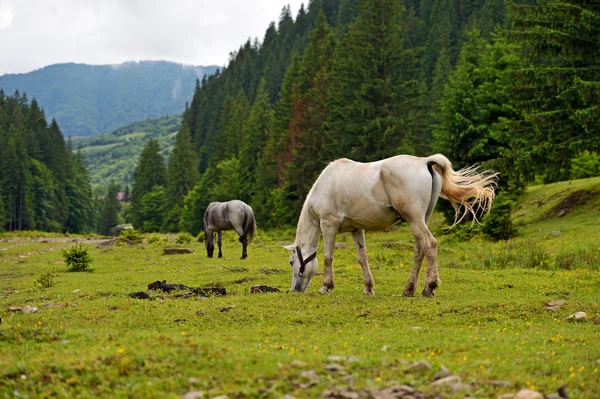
235,215
353,197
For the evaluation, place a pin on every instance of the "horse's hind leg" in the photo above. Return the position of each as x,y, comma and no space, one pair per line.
409,290
425,246
219,242
244,242
361,255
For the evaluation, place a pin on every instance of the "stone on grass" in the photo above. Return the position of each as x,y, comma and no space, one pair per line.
194,395
310,374
334,368
577,316
528,394
450,380
260,289
29,309
441,373
297,363
420,366
597,319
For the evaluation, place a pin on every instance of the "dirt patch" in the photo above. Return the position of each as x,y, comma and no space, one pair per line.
114,242
566,206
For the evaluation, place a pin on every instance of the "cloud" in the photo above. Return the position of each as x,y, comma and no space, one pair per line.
36,33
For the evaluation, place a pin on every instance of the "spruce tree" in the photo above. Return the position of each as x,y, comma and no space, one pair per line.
109,217
150,172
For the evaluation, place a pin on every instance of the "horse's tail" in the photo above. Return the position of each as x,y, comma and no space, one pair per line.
249,225
467,188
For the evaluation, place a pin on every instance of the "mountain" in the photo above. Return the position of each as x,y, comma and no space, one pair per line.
114,156
87,100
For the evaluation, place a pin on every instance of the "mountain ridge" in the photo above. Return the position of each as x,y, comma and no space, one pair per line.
87,100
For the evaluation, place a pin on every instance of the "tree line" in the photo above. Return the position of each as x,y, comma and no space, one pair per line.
513,87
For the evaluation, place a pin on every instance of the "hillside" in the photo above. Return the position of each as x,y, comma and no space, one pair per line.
113,156
87,100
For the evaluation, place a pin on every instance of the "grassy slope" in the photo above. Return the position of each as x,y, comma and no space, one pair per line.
114,156
488,321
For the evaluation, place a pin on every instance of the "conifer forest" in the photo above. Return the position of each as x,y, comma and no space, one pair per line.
513,86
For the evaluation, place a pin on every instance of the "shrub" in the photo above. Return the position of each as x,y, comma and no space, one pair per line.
131,234
498,223
77,258
184,238
46,280
586,164
156,239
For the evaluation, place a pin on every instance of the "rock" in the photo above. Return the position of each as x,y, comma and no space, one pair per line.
341,245
200,313
194,395
178,251
555,305
450,380
297,363
225,308
499,383
577,316
335,359
597,319
139,295
528,394
29,309
341,394
75,291
420,366
193,380
554,233
208,291
334,368
441,373
259,289
14,309
310,374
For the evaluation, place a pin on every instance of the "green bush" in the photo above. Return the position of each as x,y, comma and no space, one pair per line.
131,234
586,164
156,239
46,280
498,223
77,258
184,238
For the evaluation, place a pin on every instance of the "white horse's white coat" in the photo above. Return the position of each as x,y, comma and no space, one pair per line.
353,197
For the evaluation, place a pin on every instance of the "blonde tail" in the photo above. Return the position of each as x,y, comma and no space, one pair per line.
466,188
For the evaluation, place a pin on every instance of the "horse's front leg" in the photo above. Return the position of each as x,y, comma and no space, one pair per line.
361,255
219,242
329,233
210,242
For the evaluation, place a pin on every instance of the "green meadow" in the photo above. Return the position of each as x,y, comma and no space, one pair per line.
489,323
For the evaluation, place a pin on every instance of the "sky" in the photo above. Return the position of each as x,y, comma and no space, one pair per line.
37,33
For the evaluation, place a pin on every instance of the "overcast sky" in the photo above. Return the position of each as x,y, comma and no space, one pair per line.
36,33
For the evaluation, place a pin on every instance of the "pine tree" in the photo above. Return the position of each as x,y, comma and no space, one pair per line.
374,85
110,210
150,172
182,176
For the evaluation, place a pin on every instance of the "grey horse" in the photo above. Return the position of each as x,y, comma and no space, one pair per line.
229,215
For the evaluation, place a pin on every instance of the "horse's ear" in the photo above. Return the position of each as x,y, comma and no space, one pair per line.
290,247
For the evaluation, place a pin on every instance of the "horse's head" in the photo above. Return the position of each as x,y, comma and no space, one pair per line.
304,267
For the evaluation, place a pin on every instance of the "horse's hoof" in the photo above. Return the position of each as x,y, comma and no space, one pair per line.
369,293
428,293
220,256
324,290
409,294
243,257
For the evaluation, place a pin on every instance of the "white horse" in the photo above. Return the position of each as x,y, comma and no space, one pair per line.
353,197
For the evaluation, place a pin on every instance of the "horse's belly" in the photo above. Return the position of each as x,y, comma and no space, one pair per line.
370,221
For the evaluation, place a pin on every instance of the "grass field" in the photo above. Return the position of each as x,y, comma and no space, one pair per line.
488,324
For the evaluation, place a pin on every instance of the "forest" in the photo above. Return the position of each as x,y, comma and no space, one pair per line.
510,86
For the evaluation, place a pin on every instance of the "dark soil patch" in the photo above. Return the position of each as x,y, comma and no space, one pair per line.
566,206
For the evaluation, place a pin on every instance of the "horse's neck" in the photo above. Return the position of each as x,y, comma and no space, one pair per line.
307,232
